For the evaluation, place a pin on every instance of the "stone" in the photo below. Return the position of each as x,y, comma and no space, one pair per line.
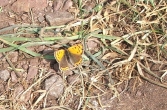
59,18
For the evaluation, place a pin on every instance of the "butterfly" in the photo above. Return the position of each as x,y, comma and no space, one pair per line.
69,57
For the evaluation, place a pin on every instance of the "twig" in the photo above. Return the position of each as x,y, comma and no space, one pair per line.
10,63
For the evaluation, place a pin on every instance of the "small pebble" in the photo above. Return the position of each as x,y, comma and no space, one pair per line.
4,75
55,86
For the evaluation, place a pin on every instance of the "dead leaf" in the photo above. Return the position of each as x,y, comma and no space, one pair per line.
110,55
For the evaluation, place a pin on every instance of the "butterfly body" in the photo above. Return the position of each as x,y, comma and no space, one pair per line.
70,57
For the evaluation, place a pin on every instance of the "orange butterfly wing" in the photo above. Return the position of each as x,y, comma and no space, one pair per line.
75,54
61,58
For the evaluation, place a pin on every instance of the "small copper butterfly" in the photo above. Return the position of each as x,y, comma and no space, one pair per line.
67,57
